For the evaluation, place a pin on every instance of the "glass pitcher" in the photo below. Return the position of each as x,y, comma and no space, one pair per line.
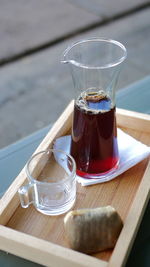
95,66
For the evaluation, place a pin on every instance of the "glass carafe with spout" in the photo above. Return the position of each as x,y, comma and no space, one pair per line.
95,67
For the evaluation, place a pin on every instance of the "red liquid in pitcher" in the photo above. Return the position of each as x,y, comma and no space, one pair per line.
94,138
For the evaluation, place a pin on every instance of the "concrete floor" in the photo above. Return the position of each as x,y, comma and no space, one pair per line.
34,86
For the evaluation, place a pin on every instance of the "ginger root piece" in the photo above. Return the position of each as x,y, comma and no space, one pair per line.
93,230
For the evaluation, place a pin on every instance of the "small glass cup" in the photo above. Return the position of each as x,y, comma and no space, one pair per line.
52,182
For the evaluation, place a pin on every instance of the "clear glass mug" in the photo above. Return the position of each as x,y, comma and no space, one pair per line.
95,66
52,182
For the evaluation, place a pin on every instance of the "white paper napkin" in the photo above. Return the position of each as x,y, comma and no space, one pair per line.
131,152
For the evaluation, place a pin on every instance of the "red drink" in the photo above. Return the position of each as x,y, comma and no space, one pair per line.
94,138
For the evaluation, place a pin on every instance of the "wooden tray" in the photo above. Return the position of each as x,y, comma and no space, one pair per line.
41,238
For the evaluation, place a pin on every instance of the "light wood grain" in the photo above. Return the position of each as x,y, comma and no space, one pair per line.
132,222
133,120
43,252
10,201
128,193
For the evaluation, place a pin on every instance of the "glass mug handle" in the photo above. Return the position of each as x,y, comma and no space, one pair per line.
26,194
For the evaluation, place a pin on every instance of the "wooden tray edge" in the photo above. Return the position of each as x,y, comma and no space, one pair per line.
133,120
44,252
10,200
132,222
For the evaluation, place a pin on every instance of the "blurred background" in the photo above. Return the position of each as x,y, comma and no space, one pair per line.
34,86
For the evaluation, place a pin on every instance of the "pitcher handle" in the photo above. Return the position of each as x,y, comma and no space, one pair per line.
26,194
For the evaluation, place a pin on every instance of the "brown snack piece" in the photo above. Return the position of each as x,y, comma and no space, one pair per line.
93,230
95,98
